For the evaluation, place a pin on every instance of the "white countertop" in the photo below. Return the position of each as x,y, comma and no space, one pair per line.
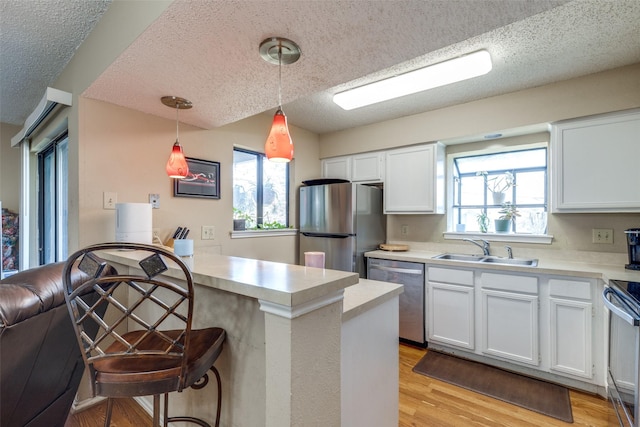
366,295
279,283
582,267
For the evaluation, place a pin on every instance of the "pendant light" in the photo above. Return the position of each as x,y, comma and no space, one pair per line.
278,50
177,166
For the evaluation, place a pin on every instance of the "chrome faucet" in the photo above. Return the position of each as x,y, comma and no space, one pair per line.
509,251
484,245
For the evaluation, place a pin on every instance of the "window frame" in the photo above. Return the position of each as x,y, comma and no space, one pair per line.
452,219
259,232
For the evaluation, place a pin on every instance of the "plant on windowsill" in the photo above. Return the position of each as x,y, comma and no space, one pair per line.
497,185
483,222
508,213
240,219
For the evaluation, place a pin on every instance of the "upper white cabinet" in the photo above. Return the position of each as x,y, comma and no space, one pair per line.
365,167
337,167
595,164
414,180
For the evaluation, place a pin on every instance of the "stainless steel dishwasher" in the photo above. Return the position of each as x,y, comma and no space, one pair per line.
411,275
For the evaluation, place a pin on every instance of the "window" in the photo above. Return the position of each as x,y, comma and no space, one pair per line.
260,190
486,187
53,200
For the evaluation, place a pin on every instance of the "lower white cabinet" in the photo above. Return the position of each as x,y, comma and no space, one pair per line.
571,312
451,314
510,326
530,322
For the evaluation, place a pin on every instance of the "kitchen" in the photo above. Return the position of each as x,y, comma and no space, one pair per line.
106,130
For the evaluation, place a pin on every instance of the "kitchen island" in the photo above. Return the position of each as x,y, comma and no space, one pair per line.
286,358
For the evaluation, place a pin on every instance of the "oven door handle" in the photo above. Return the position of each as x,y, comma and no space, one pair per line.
630,318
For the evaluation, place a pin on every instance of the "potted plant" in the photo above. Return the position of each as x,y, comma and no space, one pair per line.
483,222
497,185
507,215
240,219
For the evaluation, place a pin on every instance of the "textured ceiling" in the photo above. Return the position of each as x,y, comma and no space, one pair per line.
216,64
37,40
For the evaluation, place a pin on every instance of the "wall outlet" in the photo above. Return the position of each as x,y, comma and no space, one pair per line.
154,199
602,235
208,232
404,230
109,200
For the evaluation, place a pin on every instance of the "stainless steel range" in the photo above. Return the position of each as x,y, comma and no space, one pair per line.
622,298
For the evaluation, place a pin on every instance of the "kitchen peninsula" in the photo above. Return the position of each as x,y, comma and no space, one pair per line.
298,339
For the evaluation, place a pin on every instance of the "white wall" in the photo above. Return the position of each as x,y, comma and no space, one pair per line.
9,168
125,152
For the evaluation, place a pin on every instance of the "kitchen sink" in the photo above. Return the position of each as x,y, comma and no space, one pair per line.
488,259
510,261
460,257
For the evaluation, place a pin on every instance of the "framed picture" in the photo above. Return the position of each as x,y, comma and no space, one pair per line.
203,180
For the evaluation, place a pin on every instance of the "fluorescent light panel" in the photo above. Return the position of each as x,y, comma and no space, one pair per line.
462,68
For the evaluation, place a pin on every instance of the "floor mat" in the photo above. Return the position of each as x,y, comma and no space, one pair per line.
530,393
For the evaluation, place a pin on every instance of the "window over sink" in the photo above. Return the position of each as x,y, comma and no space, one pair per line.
509,185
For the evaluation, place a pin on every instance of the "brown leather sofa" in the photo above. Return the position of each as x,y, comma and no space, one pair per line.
40,361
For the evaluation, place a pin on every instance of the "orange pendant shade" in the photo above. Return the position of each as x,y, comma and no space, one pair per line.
279,147
177,164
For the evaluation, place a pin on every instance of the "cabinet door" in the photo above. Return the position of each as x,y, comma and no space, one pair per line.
571,331
510,326
414,180
451,314
595,164
367,167
338,167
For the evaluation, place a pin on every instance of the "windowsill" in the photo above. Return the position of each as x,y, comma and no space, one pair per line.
276,232
543,239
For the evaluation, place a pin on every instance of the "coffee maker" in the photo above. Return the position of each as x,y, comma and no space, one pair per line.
633,241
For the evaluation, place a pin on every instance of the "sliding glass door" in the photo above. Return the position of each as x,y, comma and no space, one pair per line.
53,201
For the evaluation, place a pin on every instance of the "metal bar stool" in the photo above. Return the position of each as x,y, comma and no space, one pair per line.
145,344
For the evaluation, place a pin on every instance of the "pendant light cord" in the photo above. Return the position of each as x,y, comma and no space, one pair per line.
177,120
280,76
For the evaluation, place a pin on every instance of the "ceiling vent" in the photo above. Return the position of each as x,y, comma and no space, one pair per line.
52,100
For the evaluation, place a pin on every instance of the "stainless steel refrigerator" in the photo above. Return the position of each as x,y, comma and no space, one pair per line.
343,220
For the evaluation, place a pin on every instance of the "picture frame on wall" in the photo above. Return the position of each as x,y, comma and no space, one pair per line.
203,180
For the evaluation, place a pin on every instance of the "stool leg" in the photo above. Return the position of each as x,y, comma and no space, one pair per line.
107,418
166,410
217,374
156,410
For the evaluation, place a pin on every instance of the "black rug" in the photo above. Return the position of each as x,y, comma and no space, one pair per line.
530,393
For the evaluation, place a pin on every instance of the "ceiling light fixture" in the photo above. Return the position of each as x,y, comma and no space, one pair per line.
177,166
462,68
278,50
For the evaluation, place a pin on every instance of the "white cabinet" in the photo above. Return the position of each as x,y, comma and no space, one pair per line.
365,167
414,180
571,312
450,307
510,309
337,167
595,164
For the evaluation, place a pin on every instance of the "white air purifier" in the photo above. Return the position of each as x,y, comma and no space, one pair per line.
134,223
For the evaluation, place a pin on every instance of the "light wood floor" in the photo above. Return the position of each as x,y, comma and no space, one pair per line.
424,402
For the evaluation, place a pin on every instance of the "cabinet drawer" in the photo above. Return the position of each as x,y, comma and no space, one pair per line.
580,289
448,275
510,282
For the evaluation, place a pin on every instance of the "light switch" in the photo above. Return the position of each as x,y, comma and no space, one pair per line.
154,199
109,200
